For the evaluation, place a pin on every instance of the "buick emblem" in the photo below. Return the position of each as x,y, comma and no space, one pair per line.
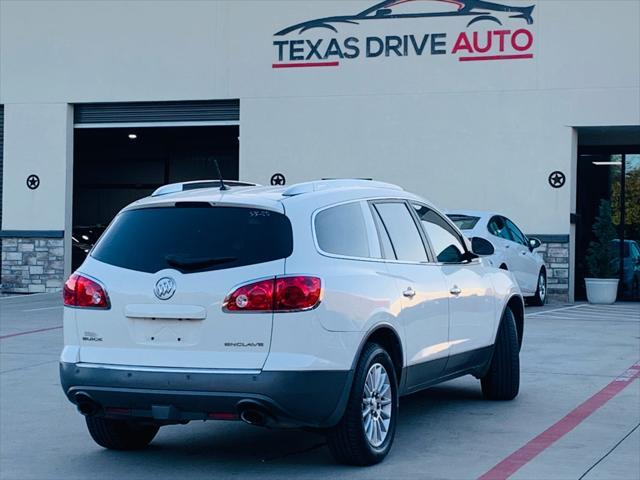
165,288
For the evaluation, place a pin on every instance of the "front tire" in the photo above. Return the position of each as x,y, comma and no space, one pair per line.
540,298
366,431
502,381
117,434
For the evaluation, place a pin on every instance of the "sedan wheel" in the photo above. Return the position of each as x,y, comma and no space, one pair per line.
540,298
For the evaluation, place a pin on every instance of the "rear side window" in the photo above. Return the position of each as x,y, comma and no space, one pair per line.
385,242
498,227
403,231
464,222
342,230
194,238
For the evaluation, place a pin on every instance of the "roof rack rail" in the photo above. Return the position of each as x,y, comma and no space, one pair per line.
198,184
329,184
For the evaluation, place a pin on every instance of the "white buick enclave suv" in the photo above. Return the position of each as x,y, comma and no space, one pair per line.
316,305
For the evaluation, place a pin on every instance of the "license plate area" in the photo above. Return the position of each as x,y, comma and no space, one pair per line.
164,332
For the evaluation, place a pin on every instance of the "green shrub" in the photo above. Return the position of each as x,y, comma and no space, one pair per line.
601,257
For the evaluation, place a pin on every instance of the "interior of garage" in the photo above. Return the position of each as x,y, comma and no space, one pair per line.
609,169
116,166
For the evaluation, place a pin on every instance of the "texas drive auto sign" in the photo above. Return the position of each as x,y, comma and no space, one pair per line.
504,39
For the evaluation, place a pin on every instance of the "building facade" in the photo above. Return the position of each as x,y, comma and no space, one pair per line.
472,104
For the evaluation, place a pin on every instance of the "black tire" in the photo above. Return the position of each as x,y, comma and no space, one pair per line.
117,434
348,441
540,298
502,381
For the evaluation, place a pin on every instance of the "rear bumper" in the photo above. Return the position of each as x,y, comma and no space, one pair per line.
288,398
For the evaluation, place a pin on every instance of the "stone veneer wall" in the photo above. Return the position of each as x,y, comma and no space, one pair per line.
32,265
556,258
35,265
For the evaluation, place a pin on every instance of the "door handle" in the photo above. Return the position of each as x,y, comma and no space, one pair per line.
409,292
455,290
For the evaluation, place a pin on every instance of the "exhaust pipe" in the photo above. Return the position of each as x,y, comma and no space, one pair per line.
253,417
86,405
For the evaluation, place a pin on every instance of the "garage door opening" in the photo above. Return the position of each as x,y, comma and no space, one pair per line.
116,166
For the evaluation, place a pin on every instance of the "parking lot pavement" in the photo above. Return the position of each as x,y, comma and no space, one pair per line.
577,415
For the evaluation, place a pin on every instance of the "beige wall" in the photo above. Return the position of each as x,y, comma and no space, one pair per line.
36,141
483,135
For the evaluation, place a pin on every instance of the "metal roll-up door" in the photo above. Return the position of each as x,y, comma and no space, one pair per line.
200,112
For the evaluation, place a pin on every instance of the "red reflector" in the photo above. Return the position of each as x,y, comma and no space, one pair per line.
257,296
223,416
297,293
280,294
80,291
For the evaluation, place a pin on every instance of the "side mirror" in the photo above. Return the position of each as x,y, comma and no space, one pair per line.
534,243
482,247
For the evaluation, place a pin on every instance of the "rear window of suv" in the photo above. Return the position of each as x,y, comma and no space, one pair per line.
194,238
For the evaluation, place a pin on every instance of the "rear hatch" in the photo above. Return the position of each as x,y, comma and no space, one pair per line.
167,271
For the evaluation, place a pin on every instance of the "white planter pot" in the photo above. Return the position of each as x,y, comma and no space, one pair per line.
602,291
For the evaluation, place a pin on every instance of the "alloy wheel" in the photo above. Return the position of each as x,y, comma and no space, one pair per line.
542,287
376,405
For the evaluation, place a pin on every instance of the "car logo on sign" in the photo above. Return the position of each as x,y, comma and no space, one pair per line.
165,288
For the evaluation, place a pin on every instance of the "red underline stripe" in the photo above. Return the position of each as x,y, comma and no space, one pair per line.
29,332
524,455
496,57
305,65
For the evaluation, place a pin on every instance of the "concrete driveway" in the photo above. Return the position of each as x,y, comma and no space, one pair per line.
577,415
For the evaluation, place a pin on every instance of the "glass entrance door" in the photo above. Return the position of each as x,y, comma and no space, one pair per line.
613,174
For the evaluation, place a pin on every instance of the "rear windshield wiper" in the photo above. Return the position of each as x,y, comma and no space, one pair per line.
190,263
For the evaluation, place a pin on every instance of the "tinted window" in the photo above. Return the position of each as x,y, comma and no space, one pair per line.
464,222
403,231
446,242
498,227
342,230
194,239
385,242
516,234
615,245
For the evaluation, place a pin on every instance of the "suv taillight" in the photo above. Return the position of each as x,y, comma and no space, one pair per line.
280,294
80,291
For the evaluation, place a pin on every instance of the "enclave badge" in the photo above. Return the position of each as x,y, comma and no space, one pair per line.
165,288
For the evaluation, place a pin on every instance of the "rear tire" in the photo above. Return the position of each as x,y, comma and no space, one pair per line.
349,441
117,434
502,381
540,298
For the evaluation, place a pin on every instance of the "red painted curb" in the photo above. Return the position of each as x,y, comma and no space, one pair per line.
28,332
524,455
